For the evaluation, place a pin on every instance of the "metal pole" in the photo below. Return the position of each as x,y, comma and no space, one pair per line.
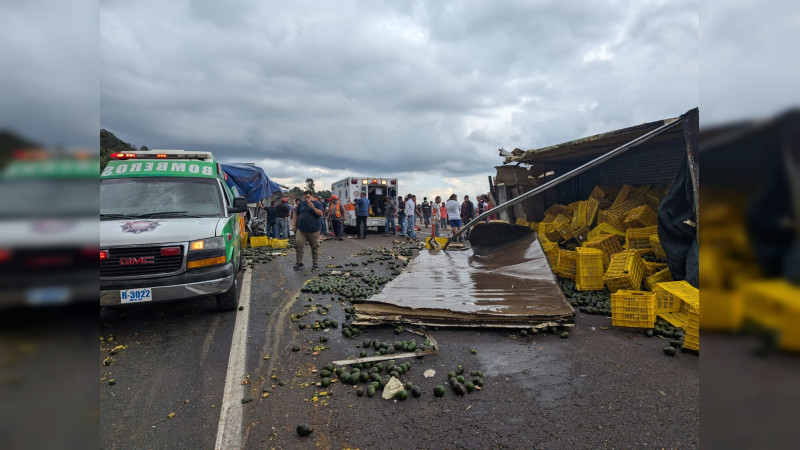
576,171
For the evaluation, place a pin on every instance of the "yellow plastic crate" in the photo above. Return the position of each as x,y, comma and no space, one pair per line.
580,234
661,276
640,217
692,338
521,221
675,300
639,238
585,213
604,192
722,309
552,253
624,271
440,240
244,237
615,215
579,217
259,241
588,269
636,309
655,244
769,302
550,231
279,243
623,195
653,196
604,228
608,243
563,227
566,264
556,209
651,268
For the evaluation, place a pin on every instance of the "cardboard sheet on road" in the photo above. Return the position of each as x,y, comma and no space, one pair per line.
503,280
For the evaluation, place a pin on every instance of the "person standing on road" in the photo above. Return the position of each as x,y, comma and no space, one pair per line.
401,214
391,212
282,219
411,207
272,219
417,212
323,221
454,214
489,206
306,228
435,212
336,214
467,210
442,215
362,212
426,211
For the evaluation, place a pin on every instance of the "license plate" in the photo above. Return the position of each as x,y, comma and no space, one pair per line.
135,295
47,296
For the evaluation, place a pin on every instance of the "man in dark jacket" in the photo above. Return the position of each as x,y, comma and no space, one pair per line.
281,219
306,227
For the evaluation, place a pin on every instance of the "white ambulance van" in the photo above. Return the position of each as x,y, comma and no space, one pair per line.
169,229
376,189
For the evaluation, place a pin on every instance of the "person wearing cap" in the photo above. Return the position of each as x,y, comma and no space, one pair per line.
336,215
281,230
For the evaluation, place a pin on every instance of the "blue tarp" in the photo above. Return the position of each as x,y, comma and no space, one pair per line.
250,181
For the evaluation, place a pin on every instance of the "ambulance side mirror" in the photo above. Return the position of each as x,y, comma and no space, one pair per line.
239,205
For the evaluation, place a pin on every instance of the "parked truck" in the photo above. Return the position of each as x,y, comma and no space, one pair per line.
377,189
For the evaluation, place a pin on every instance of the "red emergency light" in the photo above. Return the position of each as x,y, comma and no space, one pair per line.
103,254
123,155
394,181
161,155
353,181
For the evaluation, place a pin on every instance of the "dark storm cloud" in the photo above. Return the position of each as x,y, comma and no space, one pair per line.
370,87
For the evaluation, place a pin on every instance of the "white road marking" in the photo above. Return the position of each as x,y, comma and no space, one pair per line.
229,432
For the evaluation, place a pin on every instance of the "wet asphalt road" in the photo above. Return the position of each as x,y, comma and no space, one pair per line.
599,388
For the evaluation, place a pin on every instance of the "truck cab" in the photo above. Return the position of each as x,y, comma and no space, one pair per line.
170,229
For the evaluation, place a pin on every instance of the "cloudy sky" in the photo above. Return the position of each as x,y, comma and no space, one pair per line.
426,91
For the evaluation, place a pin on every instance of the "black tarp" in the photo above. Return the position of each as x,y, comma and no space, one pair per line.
677,228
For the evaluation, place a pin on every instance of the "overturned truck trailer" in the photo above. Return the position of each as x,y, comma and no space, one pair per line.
504,279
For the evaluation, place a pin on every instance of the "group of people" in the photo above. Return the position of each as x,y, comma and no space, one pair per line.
437,214
308,218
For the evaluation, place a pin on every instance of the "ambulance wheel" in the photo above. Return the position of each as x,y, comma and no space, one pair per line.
228,301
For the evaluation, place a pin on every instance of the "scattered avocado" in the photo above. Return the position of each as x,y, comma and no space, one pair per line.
304,429
401,395
438,391
670,350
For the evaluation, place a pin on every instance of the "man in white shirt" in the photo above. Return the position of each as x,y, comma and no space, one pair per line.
410,207
454,213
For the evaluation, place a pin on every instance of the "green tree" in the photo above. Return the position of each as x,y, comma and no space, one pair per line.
310,185
110,143
296,192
